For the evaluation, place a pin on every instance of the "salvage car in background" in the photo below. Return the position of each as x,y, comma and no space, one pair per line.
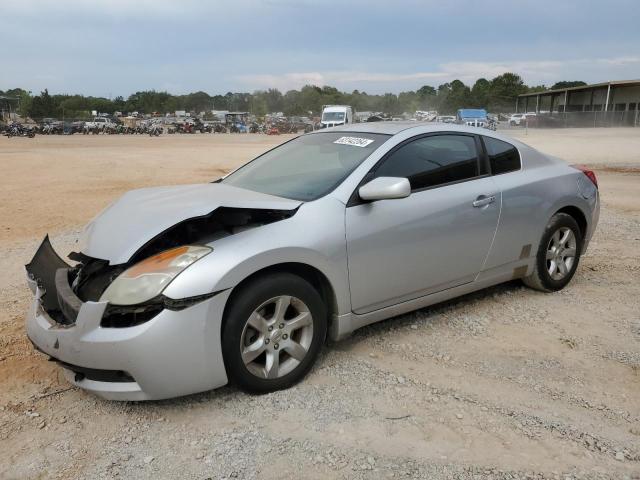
520,119
445,119
177,290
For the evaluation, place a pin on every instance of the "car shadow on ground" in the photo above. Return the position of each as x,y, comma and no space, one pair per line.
431,315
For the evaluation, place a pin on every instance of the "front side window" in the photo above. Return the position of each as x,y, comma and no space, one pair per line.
433,160
307,167
503,156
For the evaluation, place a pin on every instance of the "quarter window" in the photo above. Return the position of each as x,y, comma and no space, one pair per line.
503,156
433,160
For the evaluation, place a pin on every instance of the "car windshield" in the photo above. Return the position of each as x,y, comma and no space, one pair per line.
333,116
308,167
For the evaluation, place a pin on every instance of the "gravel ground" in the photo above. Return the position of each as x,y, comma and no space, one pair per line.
506,383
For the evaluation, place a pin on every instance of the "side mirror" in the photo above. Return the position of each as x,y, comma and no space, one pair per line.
385,188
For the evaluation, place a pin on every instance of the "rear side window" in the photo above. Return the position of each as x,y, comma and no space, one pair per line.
503,156
433,160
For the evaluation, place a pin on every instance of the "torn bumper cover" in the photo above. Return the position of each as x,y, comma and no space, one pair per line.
132,363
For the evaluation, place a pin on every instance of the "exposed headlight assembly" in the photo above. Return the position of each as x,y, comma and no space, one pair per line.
148,278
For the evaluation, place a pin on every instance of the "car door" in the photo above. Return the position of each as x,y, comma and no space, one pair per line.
436,238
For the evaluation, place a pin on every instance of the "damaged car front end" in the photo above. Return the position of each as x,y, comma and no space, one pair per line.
109,321
121,351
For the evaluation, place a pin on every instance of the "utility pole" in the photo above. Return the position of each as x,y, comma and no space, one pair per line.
606,103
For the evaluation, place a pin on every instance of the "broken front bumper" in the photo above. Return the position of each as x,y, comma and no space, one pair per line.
174,353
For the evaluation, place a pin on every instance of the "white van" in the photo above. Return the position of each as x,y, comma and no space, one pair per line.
334,115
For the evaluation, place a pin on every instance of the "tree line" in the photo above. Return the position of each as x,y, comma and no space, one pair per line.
496,95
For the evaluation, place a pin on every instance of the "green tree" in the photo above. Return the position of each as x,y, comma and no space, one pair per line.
196,102
427,96
25,103
497,95
452,96
568,84
274,100
220,102
311,99
426,91
389,104
536,88
504,91
258,104
292,103
76,106
480,93
43,106
408,101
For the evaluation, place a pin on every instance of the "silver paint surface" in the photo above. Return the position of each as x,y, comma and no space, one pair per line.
381,258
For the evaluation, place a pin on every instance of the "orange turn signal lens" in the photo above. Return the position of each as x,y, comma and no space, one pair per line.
148,278
158,262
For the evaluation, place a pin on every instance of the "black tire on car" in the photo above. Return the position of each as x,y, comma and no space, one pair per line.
553,268
253,322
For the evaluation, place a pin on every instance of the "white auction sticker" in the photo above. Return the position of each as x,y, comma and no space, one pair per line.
354,141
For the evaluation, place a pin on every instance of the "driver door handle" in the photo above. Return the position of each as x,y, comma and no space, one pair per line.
482,201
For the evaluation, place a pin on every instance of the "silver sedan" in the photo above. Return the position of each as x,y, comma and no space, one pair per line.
177,290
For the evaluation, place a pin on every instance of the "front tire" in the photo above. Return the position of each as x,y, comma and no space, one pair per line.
272,333
558,255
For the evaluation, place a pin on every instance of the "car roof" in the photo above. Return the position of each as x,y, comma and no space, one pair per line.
394,128
387,128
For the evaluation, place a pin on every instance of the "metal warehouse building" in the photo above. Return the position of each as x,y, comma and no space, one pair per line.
601,104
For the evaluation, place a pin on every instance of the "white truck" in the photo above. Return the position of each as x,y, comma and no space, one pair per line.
334,115
98,125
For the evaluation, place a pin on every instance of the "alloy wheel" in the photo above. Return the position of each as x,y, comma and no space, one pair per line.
276,337
561,253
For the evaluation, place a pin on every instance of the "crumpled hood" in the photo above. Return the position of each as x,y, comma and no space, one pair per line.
139,215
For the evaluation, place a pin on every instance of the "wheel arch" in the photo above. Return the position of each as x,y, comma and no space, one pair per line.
578,215
311,274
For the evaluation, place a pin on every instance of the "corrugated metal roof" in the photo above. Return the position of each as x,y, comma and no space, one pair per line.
593,86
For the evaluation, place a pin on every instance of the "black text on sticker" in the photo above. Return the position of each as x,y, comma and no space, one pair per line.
354,141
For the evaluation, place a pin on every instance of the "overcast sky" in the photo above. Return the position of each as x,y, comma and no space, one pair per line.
116,47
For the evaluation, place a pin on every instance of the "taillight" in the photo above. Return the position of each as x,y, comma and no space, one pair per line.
591,175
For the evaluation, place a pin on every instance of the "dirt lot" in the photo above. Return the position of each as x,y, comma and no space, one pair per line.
504,383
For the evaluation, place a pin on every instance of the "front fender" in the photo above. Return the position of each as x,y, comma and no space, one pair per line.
314,236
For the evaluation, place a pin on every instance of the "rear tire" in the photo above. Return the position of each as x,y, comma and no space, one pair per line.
558,255
273,330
